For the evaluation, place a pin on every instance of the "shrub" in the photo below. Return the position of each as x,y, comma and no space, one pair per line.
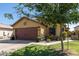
40,38
49,38
64,34
37,50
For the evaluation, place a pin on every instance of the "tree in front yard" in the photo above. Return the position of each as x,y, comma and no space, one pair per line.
8,15
51,13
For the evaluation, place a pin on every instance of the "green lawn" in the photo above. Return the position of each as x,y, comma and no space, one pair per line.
40,50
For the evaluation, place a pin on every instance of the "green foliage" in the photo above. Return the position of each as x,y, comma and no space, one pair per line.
40,38
8,15
64,34
49,38
50,13
37,50
73,46
69,33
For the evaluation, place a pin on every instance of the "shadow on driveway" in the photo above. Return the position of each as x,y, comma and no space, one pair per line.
15,41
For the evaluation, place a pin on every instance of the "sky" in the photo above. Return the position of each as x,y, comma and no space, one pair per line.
8,8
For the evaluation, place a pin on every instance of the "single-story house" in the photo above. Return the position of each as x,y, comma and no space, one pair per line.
27,29
5,31
76,28
75,33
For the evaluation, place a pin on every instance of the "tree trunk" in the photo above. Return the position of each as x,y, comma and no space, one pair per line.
61,38
62,44
68,37
67,43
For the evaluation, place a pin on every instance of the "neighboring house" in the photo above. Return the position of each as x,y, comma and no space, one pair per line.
27,29
76,28
75,33
5,31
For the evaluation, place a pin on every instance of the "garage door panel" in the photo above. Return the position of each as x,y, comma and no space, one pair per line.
26,33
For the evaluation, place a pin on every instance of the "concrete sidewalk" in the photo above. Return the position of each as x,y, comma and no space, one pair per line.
48,43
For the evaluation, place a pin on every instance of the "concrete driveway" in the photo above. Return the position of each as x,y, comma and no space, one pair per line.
7,45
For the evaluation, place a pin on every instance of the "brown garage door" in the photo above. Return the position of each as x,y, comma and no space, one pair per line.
26,33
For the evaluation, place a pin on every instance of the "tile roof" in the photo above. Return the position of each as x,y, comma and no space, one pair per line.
5,26
24,17
76,26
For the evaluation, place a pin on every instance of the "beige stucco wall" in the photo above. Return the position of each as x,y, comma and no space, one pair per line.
20,24
41,31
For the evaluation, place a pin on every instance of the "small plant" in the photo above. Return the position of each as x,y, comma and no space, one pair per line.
49,38
40,38
64,35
